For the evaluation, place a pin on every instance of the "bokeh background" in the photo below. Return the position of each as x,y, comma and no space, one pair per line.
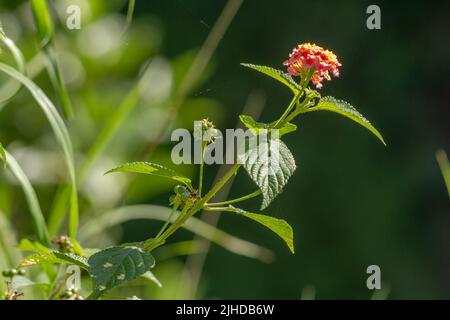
352,202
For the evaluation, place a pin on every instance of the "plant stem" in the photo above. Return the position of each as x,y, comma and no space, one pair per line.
182,218
202,163
219,209
167,222
288,110
249,196
201,203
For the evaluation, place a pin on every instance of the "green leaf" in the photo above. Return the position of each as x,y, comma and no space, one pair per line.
111,267
278,226
279,75
39,224
152,278
44,22
45,31
3,155
152,169
55,257
260,127
56,77
270,164
20,282
61,134
444,165
28,245
12,87
345,109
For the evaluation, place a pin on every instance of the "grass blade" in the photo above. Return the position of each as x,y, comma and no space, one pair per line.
39,224
130,12
61,133
8,91
44,24
45,32
442,160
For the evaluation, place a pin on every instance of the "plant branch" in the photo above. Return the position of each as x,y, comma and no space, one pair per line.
202,164
249,196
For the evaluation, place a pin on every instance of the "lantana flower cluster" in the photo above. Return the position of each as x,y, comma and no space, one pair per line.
309,56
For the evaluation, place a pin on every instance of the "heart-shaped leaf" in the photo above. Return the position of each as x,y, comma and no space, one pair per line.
113,266
270,164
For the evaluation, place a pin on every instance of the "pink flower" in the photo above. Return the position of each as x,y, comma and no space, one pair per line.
309,56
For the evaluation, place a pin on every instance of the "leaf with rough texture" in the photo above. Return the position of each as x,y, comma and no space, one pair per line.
270,164
113,266
345,109
55,257
152,169
278,75
278,226
260,127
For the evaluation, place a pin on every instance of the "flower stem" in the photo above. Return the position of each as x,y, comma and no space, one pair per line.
288,110
220,209
202,163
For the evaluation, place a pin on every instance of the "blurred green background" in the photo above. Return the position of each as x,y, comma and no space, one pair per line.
352,202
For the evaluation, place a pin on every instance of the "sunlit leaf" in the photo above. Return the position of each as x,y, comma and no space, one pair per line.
44,22
278,75
278,226
444,164
28,245
270,164
152,169
345,109
11,88
260,127
45,32
3,155
55,257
